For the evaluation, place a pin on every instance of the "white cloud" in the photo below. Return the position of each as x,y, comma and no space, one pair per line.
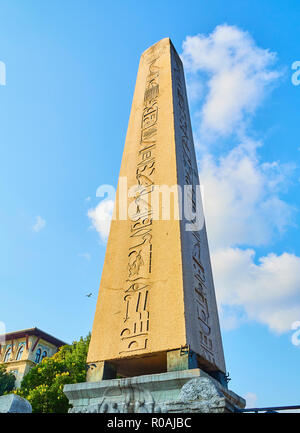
239,73
100,217
243,201
268,292
40,223
251,399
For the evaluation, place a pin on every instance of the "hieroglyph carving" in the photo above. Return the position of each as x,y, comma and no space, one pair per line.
136,320
190,177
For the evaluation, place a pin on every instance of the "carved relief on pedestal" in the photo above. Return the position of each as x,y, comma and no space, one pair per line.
131,399
200,394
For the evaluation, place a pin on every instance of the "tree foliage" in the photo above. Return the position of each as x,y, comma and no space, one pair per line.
7,380
43,384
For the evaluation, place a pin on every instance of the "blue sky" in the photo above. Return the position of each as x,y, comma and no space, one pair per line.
70,74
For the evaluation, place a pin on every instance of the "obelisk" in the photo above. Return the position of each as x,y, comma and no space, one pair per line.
156,309
156,344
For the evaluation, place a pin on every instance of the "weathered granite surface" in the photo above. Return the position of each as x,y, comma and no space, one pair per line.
157,293
13,403
174,392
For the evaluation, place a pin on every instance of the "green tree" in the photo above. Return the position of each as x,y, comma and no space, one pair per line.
7,380
43,384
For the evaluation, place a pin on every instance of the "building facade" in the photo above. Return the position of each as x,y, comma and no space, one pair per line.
25,349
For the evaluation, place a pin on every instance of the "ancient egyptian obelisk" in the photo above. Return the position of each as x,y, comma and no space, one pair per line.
157,297
156,312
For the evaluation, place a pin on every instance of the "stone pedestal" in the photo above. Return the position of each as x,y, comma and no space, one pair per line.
156,322
187,391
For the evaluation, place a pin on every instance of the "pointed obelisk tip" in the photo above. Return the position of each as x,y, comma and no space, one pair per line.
165,41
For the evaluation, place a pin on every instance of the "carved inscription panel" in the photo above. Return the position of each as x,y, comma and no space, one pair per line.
190,177
134,334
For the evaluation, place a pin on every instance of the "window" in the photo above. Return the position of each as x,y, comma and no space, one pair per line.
44,355
38,356
20,353
7,355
